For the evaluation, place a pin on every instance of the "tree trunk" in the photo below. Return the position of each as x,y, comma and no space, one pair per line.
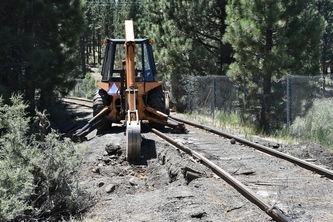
267,86
87,49
265,105
46,99
83,62
29,94
94,45
99,49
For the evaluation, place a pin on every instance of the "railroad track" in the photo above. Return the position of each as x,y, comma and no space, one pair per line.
312,167
268,178
70,127
78,101
261,178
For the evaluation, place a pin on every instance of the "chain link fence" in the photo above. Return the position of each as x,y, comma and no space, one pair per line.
293,94
84,88
210,95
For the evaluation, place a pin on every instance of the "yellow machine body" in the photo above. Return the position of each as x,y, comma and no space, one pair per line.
144,114
129,91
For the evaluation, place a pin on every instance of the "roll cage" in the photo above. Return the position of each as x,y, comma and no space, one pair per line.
114,59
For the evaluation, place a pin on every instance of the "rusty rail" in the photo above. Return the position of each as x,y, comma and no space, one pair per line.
312,167
78,101
273,212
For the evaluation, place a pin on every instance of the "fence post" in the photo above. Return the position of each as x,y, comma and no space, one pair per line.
324,84
288,102
244,94
213,98
189,93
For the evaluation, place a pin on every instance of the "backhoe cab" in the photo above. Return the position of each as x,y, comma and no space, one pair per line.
129,92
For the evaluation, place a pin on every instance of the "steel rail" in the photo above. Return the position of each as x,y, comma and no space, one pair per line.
309,166
312,167
78,101
273,212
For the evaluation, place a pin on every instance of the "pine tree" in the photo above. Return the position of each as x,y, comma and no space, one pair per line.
203,23
188,36
170,48
12,68
325,8
197,26
105,19
41,43
52,60
271,39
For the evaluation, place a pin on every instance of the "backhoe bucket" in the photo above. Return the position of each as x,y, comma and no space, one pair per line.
133,146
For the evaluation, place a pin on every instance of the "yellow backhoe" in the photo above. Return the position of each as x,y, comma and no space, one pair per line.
129,92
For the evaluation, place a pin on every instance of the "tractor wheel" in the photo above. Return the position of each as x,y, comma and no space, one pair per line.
101,99
156,100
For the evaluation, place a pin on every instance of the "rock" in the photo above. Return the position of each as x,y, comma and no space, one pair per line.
113,157
232,141
106,160
191,174
151,184
112,149
95,170
110,188
275,145
134,181
199,215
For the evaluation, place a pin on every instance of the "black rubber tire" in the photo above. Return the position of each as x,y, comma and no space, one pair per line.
156,100
101,99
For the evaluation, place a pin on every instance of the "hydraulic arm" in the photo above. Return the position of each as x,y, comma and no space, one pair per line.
133,128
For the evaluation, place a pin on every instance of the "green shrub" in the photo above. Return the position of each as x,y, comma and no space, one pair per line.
317,124
18,156
85,88
37,179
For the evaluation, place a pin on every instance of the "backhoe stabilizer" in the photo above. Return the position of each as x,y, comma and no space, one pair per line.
92,124
164,119
178,127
